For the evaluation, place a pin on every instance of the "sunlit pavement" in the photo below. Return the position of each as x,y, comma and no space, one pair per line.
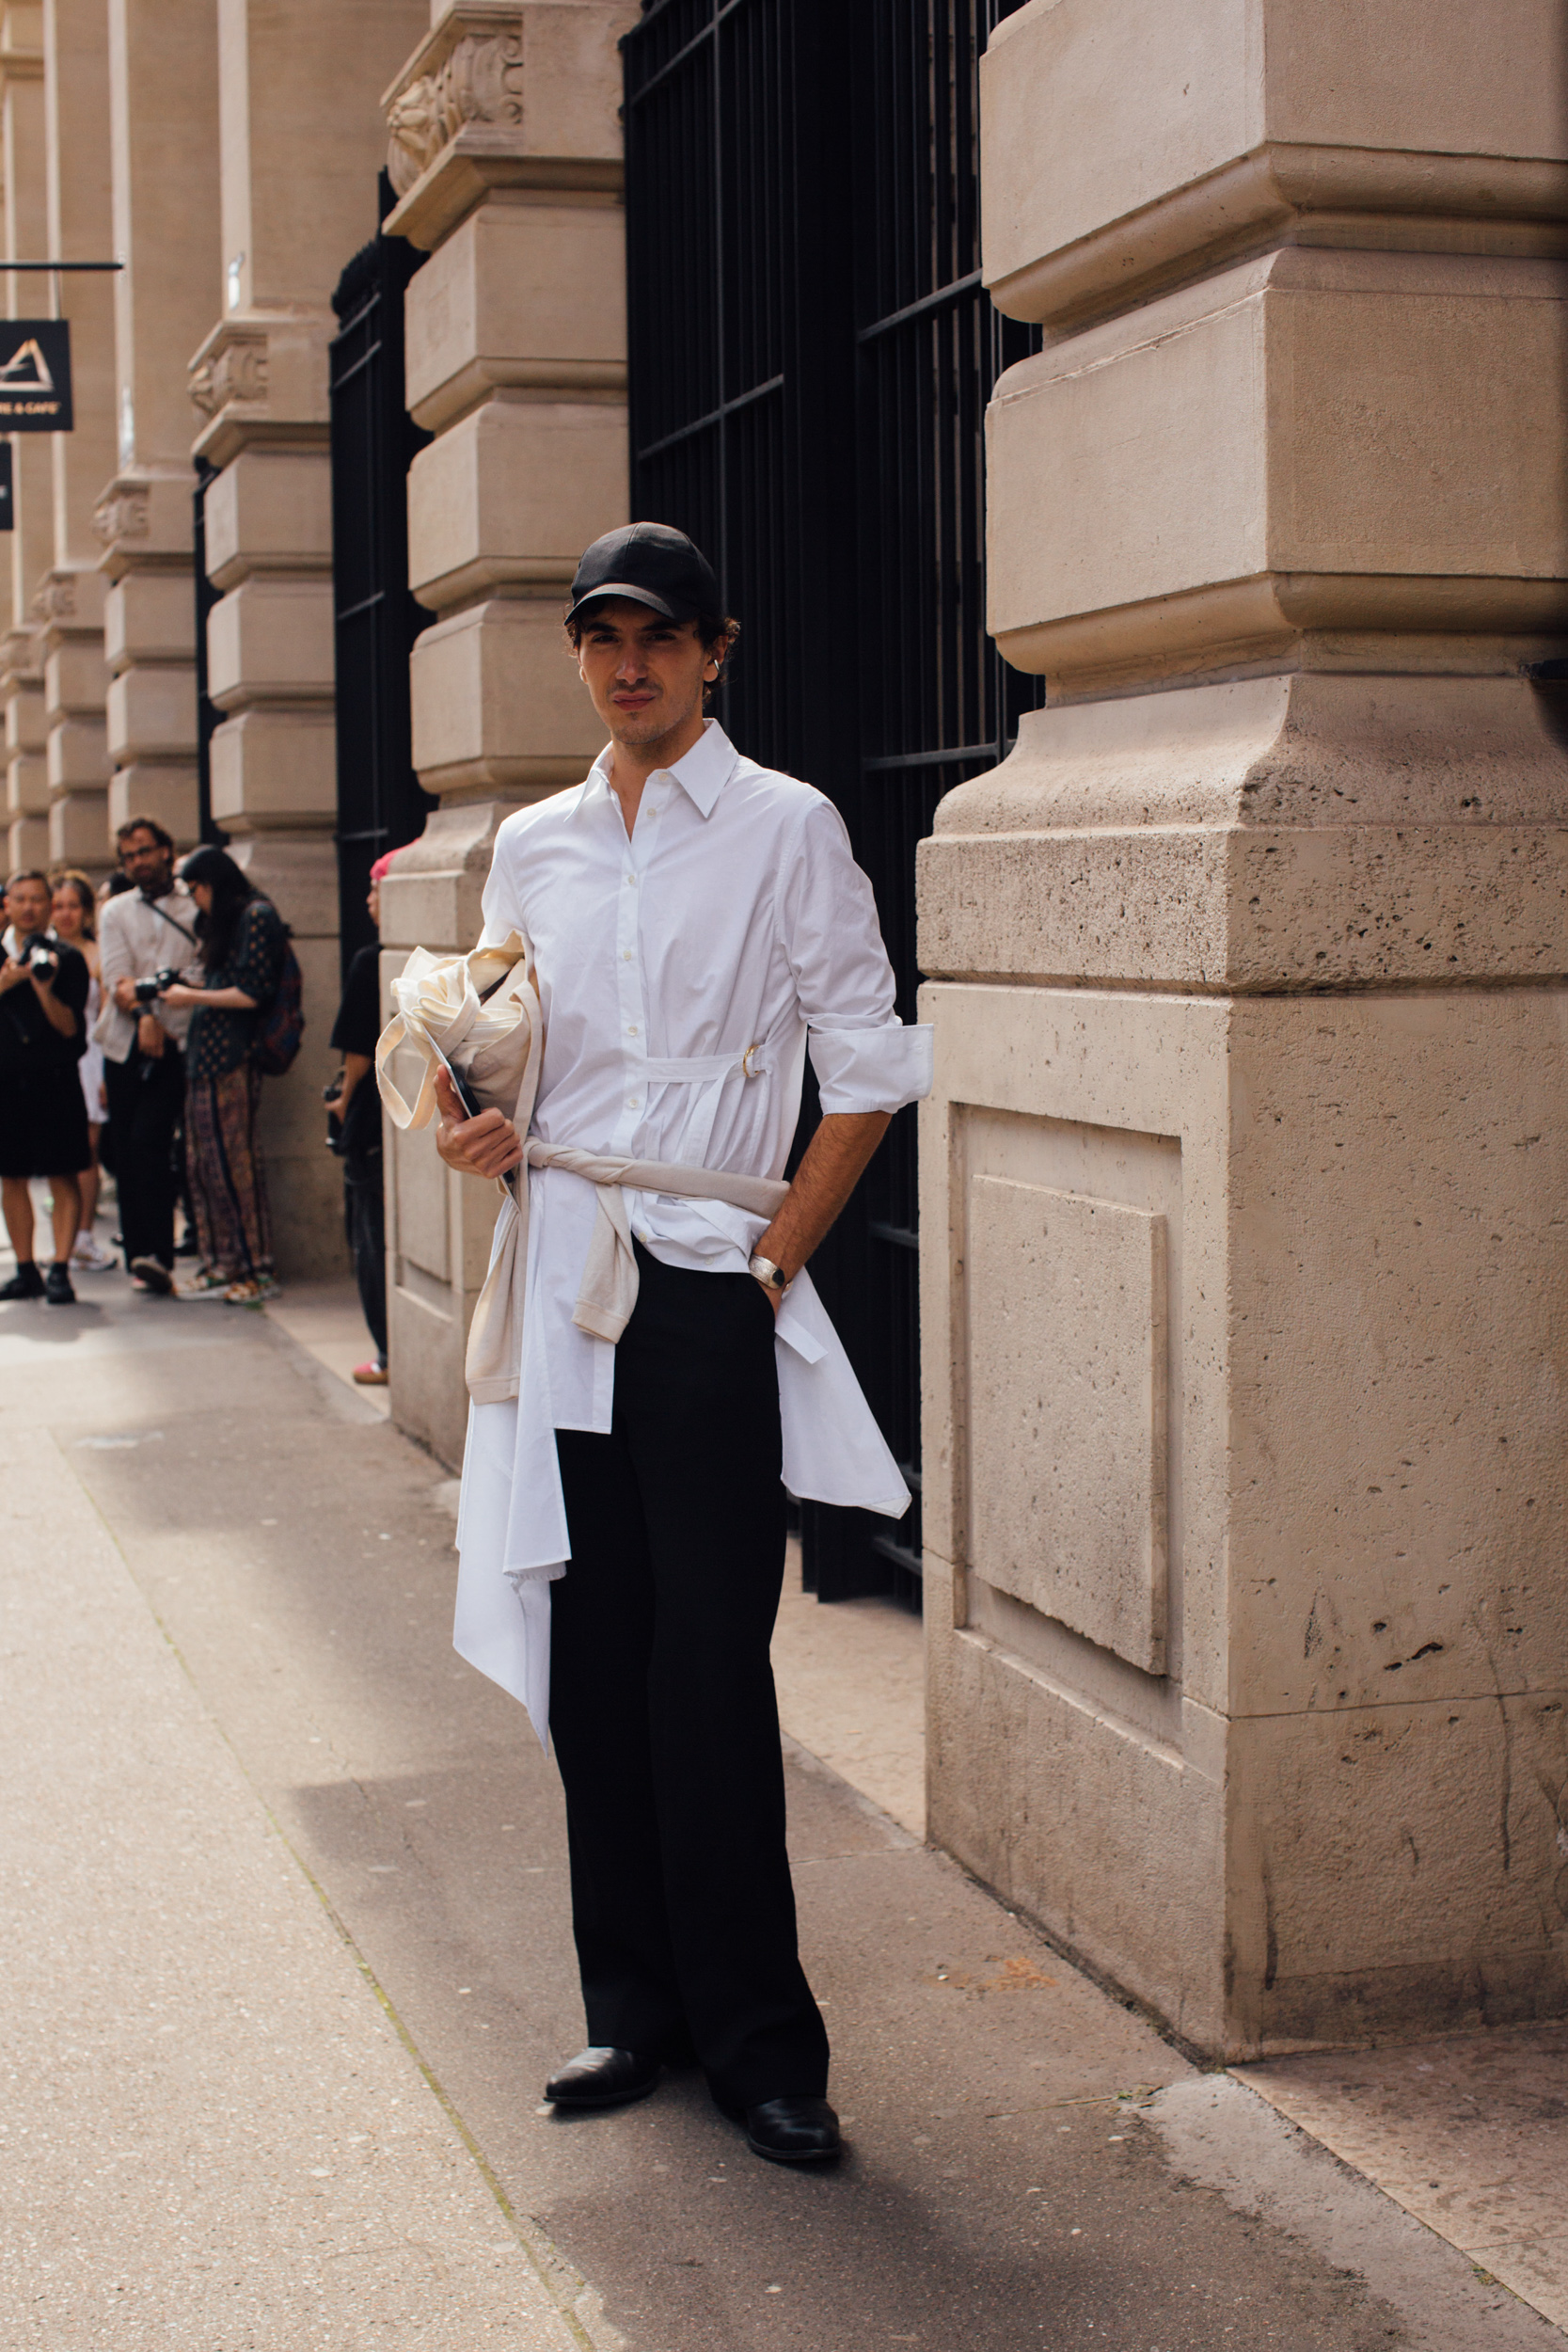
288,1959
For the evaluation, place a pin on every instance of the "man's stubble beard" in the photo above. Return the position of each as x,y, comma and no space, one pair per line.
649,726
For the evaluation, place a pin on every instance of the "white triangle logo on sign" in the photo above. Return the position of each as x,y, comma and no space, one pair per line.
27,365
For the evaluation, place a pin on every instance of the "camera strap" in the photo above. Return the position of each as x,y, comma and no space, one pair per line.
188,936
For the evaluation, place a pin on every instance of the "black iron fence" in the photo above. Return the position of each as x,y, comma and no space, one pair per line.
811,355
376,620
208,716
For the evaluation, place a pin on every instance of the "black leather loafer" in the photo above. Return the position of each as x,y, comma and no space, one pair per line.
601,2076
793,2131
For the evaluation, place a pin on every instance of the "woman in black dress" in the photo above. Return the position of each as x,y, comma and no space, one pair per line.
244,944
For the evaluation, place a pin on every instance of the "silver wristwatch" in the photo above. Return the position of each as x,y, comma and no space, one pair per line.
769,1275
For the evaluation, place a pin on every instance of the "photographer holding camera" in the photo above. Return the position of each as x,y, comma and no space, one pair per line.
44,1119
147,941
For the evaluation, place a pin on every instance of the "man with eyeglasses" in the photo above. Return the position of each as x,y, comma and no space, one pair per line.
146,929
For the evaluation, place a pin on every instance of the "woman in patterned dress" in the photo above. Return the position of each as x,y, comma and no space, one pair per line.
243,944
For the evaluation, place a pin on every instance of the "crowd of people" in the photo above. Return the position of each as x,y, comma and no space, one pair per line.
137,1024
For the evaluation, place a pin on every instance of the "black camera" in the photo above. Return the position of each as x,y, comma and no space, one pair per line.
147,991
38,953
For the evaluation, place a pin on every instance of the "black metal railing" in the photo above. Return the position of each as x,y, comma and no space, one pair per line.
209,718
811,355
376,620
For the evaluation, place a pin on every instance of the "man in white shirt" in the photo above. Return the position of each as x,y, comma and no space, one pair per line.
144,930
697,922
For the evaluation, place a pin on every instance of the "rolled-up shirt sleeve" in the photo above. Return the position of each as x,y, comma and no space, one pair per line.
865,1059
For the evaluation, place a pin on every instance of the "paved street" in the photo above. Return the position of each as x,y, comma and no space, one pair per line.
288,1959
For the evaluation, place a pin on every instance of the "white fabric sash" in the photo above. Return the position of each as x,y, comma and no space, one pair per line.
480,1016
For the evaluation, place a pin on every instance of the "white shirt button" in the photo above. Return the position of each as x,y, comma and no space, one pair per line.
631,1030
625,955
632,1101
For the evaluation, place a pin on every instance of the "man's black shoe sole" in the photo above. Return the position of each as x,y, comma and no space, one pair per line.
807,2155
617,2098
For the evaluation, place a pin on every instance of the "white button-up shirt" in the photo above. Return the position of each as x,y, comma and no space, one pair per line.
134,941
684,972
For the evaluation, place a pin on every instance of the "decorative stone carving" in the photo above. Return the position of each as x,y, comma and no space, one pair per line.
54,598
236,371
481,81
122,513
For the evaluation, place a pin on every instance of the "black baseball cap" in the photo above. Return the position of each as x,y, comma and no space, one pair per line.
651,564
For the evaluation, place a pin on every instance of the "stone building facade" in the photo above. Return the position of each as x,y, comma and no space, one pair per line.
228,157
1243,1283
1242,1280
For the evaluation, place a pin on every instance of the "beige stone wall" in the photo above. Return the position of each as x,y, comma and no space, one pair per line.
506,153
164,115
301,141
1243,1298
69,597
30,546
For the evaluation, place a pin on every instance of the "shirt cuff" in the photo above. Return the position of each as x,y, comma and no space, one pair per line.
872,1069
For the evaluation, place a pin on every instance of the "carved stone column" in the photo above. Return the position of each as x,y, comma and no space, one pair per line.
164,114
1244,1294
69,598
506,153
31,545
303,141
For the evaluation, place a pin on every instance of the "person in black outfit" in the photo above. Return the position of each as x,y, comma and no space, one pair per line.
357,1105
44,1119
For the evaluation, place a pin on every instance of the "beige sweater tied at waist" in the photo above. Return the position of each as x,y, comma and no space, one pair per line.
480,1015
608,1291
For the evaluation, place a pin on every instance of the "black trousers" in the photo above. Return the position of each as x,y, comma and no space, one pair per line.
661,1698
365,1217
147,1101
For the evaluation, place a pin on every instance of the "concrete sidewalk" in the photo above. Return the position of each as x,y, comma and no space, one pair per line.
208,2112
288,1958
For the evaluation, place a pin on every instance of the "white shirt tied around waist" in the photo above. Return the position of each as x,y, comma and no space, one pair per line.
684,974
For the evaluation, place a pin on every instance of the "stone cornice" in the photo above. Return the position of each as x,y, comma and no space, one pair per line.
20,45
471,20
261,376
505,96
1283,194
144,521
1276,834
68,602
21,665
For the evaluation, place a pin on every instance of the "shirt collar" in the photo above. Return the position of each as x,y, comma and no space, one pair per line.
702,775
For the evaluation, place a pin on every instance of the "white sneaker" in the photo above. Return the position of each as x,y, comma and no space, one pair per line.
203,1285
89,1251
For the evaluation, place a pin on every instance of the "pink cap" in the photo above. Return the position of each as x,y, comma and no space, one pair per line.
383,866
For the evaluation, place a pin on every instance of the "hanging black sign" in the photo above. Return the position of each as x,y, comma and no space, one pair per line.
35,375
8,504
